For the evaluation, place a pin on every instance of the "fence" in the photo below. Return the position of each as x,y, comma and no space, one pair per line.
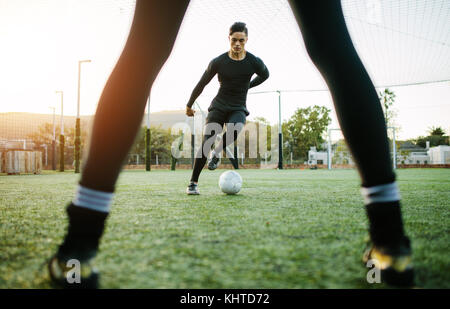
20,162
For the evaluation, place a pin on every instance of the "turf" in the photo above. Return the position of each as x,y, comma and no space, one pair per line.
285,229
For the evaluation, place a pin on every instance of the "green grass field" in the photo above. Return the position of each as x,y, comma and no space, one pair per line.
286,229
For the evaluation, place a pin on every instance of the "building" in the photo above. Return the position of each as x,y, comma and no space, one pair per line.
410,153
22,144
439,154
317,157
414,158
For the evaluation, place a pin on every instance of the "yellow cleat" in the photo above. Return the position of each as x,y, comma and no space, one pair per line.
395,264
73,274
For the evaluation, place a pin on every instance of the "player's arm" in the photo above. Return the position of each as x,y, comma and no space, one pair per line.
262,74
206,78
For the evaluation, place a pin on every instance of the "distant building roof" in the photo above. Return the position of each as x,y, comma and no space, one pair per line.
409,146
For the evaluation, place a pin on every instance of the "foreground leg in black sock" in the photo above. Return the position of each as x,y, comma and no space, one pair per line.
119,113
385,223
361,119
85,229
72,266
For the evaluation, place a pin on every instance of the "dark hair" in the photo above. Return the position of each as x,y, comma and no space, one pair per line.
238,27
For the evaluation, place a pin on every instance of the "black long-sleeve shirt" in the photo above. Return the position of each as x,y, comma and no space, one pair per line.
234,77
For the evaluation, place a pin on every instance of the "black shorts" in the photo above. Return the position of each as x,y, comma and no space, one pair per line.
222,117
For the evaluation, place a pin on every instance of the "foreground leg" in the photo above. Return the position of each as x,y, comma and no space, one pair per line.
117,120
362,122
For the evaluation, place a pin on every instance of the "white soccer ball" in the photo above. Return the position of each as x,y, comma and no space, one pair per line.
230,182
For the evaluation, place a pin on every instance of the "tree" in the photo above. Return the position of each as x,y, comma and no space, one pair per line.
262,120
160,144
44,135
305,129
387,99
436,131
437,137
341,153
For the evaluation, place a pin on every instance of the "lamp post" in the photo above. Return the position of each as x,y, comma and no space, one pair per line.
54,141
147,139
280,134
394,149
61,136
77,124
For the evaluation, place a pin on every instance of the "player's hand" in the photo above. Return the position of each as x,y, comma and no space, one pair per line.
189,111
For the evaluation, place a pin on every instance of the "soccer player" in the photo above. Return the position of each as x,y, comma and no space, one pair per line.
235,69
122,105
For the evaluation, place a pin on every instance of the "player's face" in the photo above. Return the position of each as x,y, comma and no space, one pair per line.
237,41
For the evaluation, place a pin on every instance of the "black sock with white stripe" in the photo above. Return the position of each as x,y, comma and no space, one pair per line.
87,214
384,213
93,199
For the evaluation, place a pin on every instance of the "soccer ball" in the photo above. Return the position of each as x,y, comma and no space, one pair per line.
230,182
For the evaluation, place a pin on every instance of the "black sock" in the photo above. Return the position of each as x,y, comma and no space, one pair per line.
385,223
84,232
235,163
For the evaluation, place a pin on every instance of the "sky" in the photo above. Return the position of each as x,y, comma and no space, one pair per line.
401,42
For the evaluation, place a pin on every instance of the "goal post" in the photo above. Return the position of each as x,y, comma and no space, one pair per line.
339,154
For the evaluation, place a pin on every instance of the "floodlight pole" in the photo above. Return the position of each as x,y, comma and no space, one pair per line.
329,149
46,153
61,135
54,142
394,149
280,135
77,124
235,149
147,139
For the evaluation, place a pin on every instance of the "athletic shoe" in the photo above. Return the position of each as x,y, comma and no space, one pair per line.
74,258
213,163
192,189
63,273
72,253
394,263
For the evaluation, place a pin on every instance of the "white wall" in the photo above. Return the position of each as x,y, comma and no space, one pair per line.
439,155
